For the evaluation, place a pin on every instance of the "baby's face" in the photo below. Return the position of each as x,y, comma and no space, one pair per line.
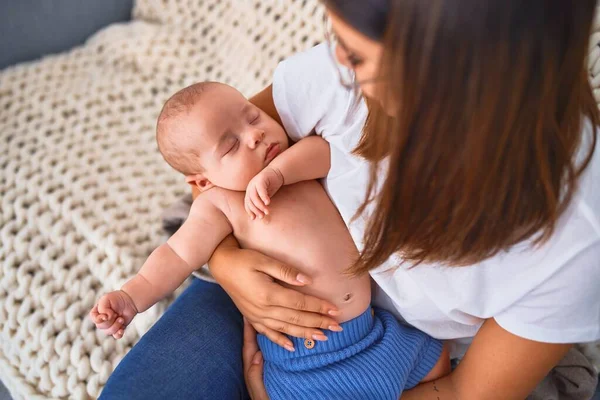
236,139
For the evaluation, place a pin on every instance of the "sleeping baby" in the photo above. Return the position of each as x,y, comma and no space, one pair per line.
255,186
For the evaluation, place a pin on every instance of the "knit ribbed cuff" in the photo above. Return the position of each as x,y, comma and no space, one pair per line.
353,332
428,356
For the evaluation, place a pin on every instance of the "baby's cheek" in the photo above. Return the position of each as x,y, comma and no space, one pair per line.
244,176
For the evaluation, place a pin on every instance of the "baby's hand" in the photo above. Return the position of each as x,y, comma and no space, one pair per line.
113,312
259,192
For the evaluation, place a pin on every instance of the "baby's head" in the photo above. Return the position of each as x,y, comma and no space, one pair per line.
215,137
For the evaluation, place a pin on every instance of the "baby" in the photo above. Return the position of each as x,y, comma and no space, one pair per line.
238,157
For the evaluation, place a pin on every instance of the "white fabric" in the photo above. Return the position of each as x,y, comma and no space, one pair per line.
548,294
82,185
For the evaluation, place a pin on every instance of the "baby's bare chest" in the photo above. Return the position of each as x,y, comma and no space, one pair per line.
302,220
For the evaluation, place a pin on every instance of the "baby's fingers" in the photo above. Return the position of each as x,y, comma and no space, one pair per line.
115,327
119,334
247,203
96,317
104,322
104,307
264,195
258,203
257,212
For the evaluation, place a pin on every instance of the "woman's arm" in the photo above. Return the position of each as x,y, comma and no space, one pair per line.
264,101
498,365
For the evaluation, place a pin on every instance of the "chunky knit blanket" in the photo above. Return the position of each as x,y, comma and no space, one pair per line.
82,185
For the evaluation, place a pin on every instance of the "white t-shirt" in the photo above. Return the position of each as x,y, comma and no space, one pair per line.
548,294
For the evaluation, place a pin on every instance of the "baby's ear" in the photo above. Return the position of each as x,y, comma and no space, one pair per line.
199,181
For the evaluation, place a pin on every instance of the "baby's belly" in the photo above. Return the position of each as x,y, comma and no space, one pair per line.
304,230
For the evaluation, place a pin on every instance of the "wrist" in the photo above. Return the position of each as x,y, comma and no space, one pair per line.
129,299
277,171
134,290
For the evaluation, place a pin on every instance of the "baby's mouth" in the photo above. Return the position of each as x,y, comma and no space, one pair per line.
272,152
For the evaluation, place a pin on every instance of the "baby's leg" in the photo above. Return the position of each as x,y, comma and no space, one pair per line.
441,368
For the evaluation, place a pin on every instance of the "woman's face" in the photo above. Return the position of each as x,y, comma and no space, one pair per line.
359,53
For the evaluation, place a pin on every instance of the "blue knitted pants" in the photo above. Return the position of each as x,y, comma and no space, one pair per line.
374,357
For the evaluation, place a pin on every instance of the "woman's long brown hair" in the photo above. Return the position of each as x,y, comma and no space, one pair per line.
483,152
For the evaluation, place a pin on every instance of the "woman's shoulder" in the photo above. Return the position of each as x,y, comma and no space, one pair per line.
307,93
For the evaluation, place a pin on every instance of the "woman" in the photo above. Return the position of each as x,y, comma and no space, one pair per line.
484,224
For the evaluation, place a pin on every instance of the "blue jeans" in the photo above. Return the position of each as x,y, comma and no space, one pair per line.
193,352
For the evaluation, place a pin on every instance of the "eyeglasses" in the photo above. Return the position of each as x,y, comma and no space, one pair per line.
346,75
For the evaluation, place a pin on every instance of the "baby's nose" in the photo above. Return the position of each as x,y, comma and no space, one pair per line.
255,137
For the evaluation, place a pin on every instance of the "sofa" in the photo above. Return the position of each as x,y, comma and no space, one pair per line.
82,185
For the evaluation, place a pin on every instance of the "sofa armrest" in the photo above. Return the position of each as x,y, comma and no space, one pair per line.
30,29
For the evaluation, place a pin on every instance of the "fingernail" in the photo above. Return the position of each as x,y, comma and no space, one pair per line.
303,279
335,328
321,338
257,358
289,347
120,320
103,318
333,312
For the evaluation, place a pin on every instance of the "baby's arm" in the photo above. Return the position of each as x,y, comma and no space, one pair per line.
166,268
308,159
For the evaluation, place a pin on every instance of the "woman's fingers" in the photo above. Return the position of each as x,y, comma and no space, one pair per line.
253,365
303,319
294,330
275,337
284,273
250,343
289,298
254,379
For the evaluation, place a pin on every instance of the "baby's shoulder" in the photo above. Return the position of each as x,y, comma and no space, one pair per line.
216,198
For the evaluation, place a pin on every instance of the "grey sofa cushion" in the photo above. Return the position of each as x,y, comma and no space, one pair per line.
30,29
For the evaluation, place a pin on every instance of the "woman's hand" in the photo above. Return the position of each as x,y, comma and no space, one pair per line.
249,278
253,365
498,366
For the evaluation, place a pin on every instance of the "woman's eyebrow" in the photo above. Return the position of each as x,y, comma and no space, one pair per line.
343,45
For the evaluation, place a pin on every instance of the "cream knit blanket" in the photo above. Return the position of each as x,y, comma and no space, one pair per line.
82,185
